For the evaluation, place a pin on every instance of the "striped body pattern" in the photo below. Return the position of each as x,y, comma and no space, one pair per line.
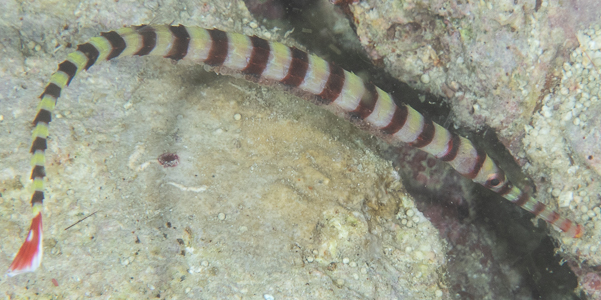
258,59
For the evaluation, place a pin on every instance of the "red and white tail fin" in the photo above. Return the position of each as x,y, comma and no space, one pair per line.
29,257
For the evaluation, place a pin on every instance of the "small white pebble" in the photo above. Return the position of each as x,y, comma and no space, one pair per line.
253,25
410,213
356,276
310,259
268,297
1,118
221,216
237,117
204,263
243,229
187,290
345,260
438,293
565,199
353,264
564,91
583,209
408,249
340,282
315,252
363,271
425,78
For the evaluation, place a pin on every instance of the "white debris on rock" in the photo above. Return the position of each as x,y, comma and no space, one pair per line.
563,143
498,63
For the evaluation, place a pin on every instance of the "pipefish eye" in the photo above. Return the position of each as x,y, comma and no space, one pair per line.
494,180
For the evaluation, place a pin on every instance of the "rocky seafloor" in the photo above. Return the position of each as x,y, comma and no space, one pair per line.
274,198
529,70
